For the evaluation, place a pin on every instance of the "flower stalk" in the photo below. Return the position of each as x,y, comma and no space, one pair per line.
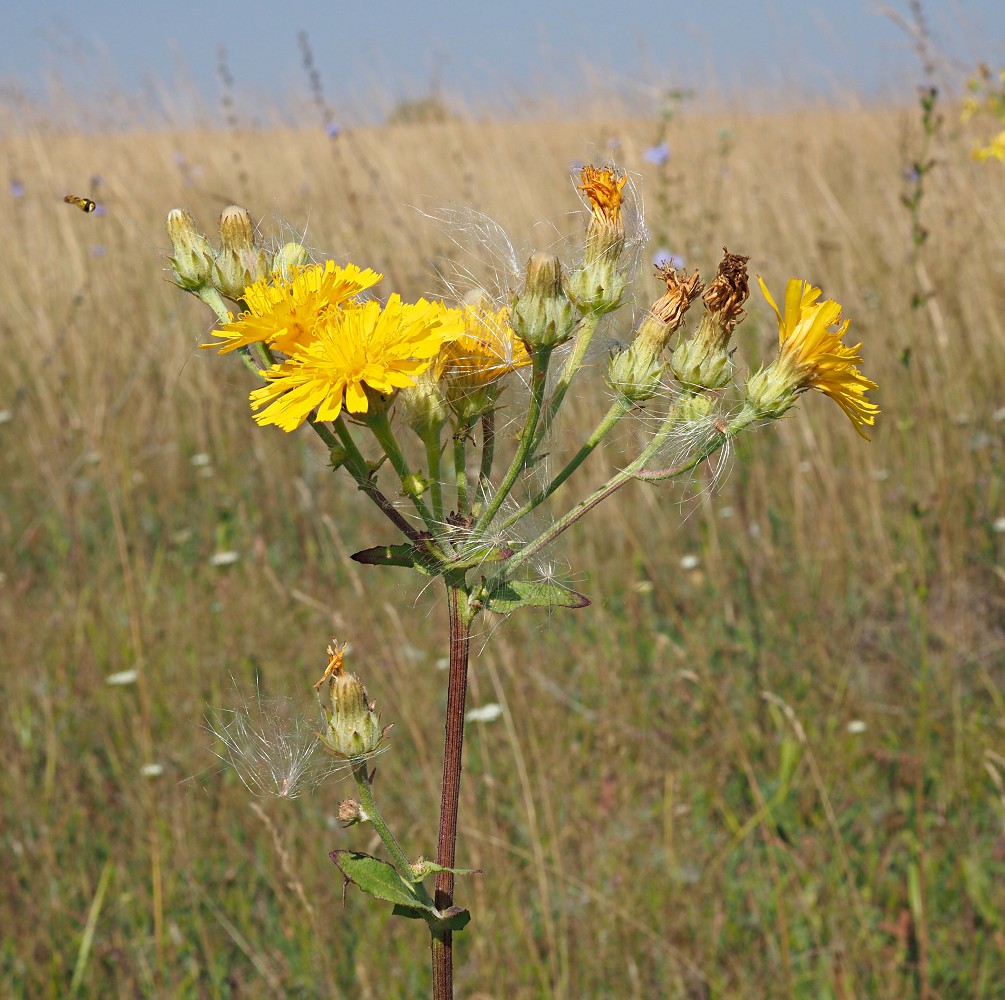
325,355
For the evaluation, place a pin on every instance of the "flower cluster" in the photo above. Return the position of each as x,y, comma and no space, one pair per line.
320,347
325,349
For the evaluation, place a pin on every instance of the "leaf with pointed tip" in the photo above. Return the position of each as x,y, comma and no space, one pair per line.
379,879
406,555
513,594
386,555
382,881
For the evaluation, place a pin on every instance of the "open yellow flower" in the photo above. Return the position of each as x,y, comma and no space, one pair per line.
812,356
350,350
283,313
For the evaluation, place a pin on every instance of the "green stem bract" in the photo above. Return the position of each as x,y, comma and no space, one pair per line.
214,300
369,806
618,409
488,452
381,428
431,441
461,469
588,327
541,359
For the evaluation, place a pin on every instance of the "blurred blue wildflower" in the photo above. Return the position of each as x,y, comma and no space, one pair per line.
16,189
333,129
657,154
665,257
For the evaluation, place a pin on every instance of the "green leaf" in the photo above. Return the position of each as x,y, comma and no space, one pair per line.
382,881
510,595
386,555
454,919
378,878
407,555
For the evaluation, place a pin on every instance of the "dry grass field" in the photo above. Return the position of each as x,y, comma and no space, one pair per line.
775,769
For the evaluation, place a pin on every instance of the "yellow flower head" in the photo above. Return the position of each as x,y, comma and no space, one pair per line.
469,366
812,356
283,313
350,350
602,187
486,350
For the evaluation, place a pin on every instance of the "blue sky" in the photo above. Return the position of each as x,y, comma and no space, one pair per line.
490,52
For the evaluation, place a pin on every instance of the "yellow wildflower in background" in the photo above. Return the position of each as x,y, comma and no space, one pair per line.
358,347
282,313
987,97
994,150
812,356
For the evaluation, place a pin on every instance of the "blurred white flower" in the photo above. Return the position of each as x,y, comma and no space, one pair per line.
122,678
487,713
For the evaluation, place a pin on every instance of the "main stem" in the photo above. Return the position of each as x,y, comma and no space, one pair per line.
457,686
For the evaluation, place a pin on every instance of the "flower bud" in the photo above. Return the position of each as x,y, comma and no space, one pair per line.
693,409
240,262
192,261
635,374
289,258
543,315
422,404
338,456
350,812
352,727
414,485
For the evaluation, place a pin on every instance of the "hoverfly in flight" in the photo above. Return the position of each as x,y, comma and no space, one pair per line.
84,204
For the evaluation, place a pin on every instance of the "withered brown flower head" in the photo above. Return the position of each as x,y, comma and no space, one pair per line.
725,296
671,307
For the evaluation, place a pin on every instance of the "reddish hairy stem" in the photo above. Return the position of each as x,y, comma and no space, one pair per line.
457,685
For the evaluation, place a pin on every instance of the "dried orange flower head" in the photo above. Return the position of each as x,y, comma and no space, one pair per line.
671,307
603,189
